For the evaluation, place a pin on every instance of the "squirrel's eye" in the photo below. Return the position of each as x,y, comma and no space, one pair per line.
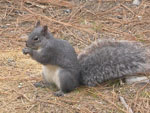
35,38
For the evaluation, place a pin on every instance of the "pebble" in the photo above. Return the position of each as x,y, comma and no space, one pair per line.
136,2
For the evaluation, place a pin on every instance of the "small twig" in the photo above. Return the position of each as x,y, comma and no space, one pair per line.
116,31
55,103
115,0
107,100
108,11
60,3
137,94
73,14
114,20
29,110
35,4
23,95
68,101
125,104
5,14
128,9
20,78
73,34
59,22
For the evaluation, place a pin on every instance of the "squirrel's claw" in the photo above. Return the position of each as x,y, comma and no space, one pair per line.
58,93
26,51
39,84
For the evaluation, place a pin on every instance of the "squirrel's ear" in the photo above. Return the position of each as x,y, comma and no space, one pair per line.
44,30
37,24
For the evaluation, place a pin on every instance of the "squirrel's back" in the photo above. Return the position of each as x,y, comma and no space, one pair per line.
106,60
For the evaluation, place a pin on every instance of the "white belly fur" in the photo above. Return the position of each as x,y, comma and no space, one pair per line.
51,74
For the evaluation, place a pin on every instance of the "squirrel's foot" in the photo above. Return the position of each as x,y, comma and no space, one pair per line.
59,93
40,84
44,84
26,50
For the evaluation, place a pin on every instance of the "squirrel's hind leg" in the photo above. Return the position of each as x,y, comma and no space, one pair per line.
68,82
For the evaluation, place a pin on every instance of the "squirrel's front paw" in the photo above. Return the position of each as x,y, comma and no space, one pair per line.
26,50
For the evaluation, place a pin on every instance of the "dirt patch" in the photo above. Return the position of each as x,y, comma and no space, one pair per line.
80,22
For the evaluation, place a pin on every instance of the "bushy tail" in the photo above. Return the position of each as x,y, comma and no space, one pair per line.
105,60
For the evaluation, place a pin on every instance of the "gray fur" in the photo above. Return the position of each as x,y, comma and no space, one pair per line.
107,60
51,51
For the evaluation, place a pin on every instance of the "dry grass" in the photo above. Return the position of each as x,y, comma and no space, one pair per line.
80,23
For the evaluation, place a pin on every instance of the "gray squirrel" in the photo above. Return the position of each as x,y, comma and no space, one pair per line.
101,61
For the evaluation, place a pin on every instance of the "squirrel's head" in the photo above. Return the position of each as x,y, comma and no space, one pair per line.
38,37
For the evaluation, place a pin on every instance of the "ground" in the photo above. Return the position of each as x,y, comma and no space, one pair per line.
80,22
